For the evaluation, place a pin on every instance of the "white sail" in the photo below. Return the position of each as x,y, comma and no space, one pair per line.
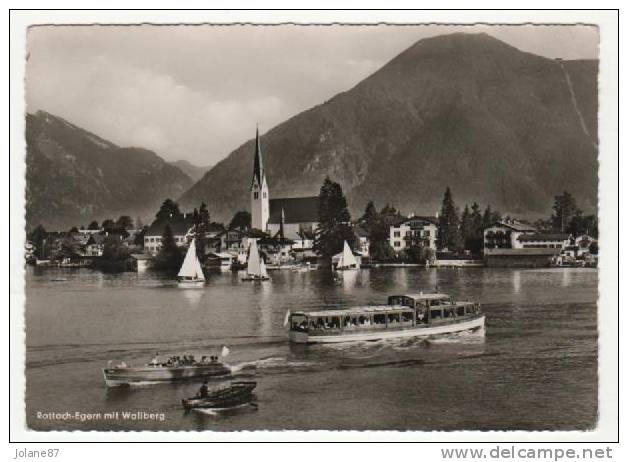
254,265
348,259
191,267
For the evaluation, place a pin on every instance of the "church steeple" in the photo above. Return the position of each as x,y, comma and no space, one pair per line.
260,203
258,166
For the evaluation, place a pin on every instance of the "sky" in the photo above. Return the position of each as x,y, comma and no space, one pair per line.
197,92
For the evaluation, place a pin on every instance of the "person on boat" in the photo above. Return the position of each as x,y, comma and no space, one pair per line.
203,391
155,361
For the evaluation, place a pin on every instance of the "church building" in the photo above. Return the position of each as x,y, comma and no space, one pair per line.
290,217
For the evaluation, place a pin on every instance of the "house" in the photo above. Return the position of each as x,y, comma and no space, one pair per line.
95,245
505,234
413,231
180,230
212,237
543,241
578,248
140,261
296,214
512,243
363,242
219,260
278,250
236,243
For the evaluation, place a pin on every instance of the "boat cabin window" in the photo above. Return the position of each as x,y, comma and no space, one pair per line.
406,317
394,318
298,322
461,311
449,312
379,319
436,313
401,300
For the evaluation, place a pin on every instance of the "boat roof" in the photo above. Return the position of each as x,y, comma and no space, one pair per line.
421,296
355,310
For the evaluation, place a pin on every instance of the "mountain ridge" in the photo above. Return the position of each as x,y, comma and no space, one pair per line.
466,110
74,176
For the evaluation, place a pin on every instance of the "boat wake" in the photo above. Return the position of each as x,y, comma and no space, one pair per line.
270,364
224,410
466,337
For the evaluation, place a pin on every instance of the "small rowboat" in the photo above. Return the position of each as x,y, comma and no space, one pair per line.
232,395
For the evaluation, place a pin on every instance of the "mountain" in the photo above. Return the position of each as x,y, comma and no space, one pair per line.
74,176
498,125
193,171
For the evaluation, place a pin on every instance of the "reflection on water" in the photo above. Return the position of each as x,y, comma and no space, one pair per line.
567,278
349,279
535,367
192,296
516,281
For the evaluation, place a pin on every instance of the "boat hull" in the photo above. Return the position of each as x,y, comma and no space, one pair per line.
234,395
189,284
255,278
121,376
390,333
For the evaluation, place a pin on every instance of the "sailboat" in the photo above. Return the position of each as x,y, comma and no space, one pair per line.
347,260
191,272
256,268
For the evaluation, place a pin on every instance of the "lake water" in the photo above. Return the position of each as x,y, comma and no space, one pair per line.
535,367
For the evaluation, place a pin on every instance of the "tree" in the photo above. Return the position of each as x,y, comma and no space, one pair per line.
93,226
466,227
139,224
475,239
201,226
593,248
124,222
374,224
490,217
203,214
139,237
68,248
108,225
38,238
448,223
565,209
115,256
241,220
170,256
580,224
334,221
74,229
168,211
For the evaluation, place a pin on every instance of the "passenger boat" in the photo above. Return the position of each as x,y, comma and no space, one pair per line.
191,272
415,315
256,268
234,394
158,373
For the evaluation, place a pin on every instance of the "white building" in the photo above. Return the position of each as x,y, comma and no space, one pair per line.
363,244
505,234
180,230
542,241
413,230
